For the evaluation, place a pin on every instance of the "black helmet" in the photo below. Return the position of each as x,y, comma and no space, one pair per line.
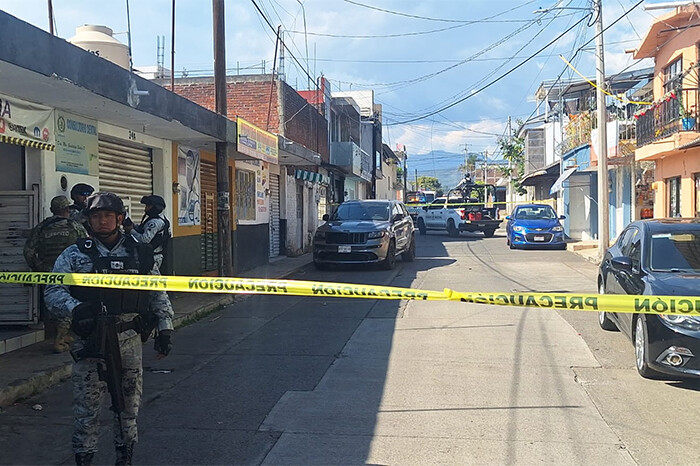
154,200
81,189
104,201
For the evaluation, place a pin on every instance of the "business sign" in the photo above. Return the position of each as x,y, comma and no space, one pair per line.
76,144
257,143
188,179
25,123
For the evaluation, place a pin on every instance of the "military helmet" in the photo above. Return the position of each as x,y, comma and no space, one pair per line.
154,200
59,203
104,201
81,189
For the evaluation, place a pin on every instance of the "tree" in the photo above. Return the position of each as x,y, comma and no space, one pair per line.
513,150
429,183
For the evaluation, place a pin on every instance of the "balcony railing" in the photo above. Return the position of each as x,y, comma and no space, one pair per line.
669,116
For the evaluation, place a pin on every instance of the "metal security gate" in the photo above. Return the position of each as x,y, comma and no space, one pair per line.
209,242
18,212
274,215
128,172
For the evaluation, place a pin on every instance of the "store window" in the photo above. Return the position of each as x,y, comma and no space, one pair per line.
674,196
672,74
245,194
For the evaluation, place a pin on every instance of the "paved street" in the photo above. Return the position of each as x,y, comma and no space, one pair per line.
274,380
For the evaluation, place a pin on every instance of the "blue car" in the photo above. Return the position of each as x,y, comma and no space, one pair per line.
534,225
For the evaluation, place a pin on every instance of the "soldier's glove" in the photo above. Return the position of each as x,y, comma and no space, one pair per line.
162,342
84,319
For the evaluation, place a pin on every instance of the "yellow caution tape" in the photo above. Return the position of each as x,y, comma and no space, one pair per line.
684,305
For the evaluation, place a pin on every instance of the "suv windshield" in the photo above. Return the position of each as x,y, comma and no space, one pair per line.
535,213
675,252
362,211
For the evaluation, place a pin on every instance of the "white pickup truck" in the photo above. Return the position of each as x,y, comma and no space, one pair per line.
455,215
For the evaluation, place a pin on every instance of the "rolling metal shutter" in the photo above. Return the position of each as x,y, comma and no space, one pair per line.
18,209
274,215
128,172
210,238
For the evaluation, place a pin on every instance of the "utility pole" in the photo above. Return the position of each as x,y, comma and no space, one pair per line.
510,167
51,17
603,218
405,171
223,204
486,166
172,49
417,186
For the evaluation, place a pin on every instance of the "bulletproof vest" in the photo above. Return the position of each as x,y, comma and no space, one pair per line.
138,261
160,240
55,235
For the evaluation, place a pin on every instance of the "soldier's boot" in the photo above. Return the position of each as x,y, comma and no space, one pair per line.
83,459
63,338
124,453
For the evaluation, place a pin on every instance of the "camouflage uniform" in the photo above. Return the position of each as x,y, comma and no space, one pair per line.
147,232
76,214
48,240
88,390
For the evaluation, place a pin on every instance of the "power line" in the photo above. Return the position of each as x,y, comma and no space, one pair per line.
435,19
481,89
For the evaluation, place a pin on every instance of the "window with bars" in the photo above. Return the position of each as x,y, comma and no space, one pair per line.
672,74
245,194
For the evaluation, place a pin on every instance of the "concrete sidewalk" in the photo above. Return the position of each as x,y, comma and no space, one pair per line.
586,249
30,370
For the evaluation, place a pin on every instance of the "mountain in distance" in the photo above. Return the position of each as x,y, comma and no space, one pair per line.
444,166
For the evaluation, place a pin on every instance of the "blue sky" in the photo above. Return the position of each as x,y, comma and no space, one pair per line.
418,56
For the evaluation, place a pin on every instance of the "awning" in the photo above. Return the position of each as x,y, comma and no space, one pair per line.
308,176
556,187
550,172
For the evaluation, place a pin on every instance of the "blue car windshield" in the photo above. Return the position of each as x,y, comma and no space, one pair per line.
535,213
362,211
675,252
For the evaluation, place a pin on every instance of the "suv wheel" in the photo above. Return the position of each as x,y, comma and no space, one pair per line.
489,233
410,253
421,226
452,229
390,260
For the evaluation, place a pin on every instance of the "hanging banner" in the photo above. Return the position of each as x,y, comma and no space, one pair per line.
76,144
257,143
188,179
25,123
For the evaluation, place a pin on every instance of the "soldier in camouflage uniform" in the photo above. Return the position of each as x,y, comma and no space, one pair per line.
153,229
79,193
46,241
108,251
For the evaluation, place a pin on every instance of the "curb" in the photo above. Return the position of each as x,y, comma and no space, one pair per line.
26,388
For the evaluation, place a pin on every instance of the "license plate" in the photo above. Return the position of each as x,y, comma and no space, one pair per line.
344,248
539,238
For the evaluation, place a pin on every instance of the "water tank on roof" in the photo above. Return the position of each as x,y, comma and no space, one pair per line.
98,40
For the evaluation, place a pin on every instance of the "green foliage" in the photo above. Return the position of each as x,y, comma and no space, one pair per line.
513,150
470,164
429,183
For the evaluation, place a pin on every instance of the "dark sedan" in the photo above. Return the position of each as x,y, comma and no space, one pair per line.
662,258
365,232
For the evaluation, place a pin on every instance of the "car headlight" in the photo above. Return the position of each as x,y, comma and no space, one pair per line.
518,229
686,322
376,234
320,235
558,228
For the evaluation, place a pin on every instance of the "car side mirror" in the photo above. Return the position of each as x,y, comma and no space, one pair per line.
325,217
508,217
397,217
562,217
425,207
622,263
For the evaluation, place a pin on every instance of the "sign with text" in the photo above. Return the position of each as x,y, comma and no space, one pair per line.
76,144
25,123
257,143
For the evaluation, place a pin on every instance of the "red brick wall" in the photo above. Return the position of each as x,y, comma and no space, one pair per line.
253,97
